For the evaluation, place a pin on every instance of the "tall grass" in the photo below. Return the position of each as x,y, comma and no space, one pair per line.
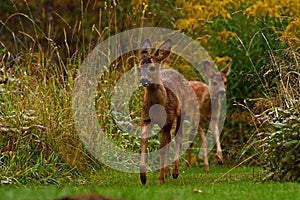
38,138
276,138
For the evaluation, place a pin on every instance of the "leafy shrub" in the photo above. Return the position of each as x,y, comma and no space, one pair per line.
276,140
280,143
241,31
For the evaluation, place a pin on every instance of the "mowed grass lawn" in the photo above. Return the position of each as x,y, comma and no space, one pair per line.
221,183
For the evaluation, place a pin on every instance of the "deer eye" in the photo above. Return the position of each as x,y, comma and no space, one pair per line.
215,83
152,68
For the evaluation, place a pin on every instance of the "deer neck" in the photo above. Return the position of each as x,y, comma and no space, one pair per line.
156,93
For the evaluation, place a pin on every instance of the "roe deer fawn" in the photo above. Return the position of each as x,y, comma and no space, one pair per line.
209,105
162,104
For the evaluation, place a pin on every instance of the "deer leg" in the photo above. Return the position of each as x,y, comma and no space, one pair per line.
216,133
167,157
144,140
219,149
204,149
189,150
164,154
178,140
191,143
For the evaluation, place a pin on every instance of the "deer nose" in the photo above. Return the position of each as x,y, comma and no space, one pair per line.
144,81
222,92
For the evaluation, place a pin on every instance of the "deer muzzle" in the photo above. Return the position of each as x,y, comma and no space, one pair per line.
144,81
222,92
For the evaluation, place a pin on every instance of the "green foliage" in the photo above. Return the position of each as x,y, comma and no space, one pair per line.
277,140
280,144
34,126
243,39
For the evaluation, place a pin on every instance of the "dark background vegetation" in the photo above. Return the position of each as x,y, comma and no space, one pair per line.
42,44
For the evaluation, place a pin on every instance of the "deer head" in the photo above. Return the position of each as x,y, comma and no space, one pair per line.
217,80
149,69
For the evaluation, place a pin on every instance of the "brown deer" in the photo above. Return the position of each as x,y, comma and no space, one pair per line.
209,105
162,104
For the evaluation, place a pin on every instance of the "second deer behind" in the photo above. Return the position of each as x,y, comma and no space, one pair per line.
209,99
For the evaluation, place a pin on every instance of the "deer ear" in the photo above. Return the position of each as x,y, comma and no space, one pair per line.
163,51
226,70
208,69
145,49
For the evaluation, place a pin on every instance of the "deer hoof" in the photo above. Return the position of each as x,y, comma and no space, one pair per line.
175,176
206,168
220,158
161,181
143,178
167,172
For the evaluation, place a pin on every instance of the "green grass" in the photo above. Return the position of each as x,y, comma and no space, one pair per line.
222,183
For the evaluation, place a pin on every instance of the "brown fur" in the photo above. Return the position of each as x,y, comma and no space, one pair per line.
162,105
